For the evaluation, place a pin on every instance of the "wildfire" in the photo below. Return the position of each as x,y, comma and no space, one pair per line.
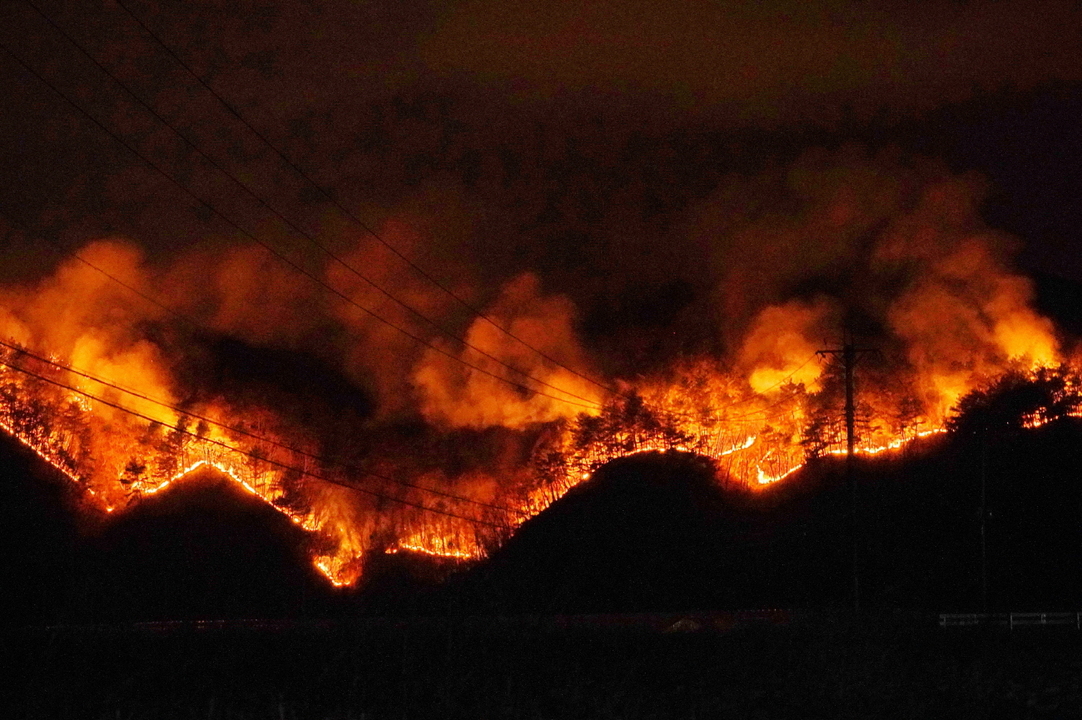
759,413
42,450
118,460
437,546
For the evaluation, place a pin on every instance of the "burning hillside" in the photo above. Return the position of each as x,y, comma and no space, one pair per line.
475,422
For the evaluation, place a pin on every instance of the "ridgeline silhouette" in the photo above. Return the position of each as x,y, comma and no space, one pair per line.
652,532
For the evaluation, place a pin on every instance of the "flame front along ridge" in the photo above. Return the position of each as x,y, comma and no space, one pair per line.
117,459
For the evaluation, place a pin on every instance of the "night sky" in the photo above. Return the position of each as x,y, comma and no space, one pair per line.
668,167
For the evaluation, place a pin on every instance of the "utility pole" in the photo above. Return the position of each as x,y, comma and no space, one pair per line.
984,519
850,354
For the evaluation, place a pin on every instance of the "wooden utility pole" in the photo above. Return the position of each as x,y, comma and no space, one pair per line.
984,519
850,354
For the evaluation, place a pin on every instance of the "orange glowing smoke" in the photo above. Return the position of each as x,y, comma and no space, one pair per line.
754,424
930,281
754,438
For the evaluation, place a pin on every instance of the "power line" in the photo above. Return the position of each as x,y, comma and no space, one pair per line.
762,393
241,431
788,377
296,168
752,414
72,254
755,413
291,225
226,446
196,415
286,260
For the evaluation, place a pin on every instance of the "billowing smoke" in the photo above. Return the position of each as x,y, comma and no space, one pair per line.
459,396
81,315
964,318
773,266
892,250
780,341
391,314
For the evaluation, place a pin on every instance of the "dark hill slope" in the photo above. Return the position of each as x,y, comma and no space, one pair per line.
655,532
649,532
645,532
200,549
40,544
922,522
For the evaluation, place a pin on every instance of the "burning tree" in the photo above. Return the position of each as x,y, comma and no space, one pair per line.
1019,400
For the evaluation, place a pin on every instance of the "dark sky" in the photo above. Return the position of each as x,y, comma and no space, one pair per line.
586,142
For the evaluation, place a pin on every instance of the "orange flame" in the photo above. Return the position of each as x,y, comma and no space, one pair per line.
754,438
758,416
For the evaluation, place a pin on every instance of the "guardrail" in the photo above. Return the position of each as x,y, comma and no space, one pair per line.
1012,620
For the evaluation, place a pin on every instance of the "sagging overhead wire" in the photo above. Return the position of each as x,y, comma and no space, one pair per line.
788,377
206,204
241,431
291,225
476,312
252,455
762,393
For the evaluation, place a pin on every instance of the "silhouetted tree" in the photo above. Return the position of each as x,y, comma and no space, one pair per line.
826,410
1016,400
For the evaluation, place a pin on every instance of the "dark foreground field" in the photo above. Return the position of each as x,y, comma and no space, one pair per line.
815,666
